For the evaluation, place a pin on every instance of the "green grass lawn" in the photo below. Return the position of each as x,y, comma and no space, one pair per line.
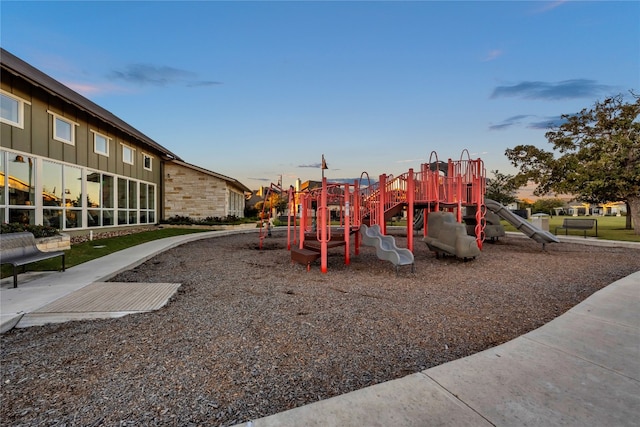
87,251
609,228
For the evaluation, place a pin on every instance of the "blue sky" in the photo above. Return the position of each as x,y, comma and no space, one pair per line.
259,90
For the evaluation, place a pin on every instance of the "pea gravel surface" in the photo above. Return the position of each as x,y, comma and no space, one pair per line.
250,334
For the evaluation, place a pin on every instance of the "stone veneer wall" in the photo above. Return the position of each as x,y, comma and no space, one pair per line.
191,193
54,243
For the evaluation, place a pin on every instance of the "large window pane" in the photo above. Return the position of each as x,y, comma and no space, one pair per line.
107,191
133,195
122,193
72,186
152,198
73,218
52,189
122,217
21,180
107,217
22,216
143,196
52,218
93,190
93,218
2,182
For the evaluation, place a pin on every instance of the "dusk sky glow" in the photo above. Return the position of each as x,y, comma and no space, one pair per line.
259,90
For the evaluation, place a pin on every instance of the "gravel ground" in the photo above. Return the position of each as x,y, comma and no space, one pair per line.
250,334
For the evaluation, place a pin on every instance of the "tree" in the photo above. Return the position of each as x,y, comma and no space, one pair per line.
546,205
598,156
502,188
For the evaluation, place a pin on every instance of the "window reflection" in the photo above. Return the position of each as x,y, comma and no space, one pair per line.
21,180
108,200
72,186
52,189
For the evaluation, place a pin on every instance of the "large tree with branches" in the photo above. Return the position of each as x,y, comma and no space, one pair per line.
596,156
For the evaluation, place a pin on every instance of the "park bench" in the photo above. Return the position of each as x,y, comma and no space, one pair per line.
19,249
583,224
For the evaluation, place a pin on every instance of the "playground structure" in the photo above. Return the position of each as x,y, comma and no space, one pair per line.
451,186
386,247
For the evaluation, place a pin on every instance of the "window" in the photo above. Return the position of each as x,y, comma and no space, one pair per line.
12,109
70,197
147,164
73,199
99,199
20,188
64,130
100,144
52,195
127,154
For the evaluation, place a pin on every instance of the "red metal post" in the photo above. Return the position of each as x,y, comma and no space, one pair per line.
382,192
347,225
323,227
358,215
303,218
290,205
411,195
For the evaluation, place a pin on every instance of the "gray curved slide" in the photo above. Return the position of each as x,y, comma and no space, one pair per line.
386,248
524,226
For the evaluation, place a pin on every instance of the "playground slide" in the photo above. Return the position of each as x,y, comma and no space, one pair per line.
386,248
418,219
524,226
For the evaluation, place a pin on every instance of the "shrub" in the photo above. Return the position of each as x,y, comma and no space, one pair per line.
37,230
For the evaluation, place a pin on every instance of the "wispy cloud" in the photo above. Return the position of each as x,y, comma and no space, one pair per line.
521,120
547,123
147,74
409,161
311,165
509,122
566,89
260,179
493,55
549,5
91,89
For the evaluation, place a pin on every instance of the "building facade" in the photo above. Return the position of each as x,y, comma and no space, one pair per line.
197,193
69,163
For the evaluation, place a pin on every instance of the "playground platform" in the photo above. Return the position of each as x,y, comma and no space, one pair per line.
582,368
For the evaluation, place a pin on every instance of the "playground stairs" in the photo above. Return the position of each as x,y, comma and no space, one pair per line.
304,256
388,214
311,249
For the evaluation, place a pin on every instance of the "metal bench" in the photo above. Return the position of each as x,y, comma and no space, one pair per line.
583,224
19,249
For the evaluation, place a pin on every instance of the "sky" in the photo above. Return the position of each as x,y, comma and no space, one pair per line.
260,91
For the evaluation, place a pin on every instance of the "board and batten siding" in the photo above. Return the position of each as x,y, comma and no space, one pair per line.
36,136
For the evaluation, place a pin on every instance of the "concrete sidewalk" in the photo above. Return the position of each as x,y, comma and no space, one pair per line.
581,369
